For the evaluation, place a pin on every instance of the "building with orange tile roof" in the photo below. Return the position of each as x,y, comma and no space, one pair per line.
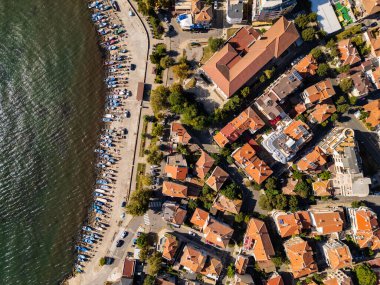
176,167
361,84
193,260
168,245
199,218
241,264
300,255
289,224
212,269
174,190
204,17
373,110
165,281
307,66
286,141
376,77
365,227
322,112
216,233
348,54
322,188
224,204
217,178
313,161
173,213
275,279
204,164
255,168
247,120
178,133
257,242
337,254
326,221
318,92
370,6
337,277
373,38
230,68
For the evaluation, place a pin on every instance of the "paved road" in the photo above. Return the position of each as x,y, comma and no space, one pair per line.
368,141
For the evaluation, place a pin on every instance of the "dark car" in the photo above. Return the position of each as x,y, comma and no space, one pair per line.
374,24
119,243
108,260
123,204
133,66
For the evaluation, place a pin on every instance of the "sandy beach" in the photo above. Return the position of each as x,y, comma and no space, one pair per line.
124,149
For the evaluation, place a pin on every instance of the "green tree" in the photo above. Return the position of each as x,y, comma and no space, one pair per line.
181,70
142,241
239,217
365,275
323,69
269,72
159,99
343,108
357,204
138,202
146,180
325,175
308,34
344,68
154,263
158,130
149,280
293,204
192,204
334,117
245,91
264,203
102,261
316,53
281,202
215,43
271,183
302,188
231,191
346,85
302,21
231,270
166,62
312,17
353,100
297,175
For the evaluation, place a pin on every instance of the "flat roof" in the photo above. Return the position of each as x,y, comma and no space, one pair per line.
326,16
140,91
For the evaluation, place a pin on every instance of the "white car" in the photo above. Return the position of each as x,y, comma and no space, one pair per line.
215,4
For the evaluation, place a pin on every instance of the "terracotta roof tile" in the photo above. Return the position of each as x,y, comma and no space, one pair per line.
223,204
307,66
291,223
275,279
204,164
322,188
204,16
348,53
272,44
174,189
300,256
257,241
338,254
371,6
213,266
326,221
217,178
313,160
323,111
241,264
366,228
373,108
199,218
179,134
193,259
319,91
296,129
217,233
169,247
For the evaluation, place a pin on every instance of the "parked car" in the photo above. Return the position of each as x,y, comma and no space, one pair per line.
215,4
124,234
119,243
133,66
374,24
108,260
123,204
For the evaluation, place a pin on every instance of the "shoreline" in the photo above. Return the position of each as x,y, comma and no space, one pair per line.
116,145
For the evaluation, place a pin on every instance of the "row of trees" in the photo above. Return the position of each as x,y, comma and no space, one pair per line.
306,23
162,60
178,101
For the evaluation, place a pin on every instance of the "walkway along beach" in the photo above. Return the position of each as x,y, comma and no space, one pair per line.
125,39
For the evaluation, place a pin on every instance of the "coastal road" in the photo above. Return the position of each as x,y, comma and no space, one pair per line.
137,44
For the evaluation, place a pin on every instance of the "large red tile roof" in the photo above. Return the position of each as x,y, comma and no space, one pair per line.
230,69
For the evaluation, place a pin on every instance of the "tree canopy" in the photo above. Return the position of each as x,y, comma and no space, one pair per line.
138,202
215,43
365,275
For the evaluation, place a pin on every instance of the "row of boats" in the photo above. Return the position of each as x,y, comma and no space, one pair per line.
113,40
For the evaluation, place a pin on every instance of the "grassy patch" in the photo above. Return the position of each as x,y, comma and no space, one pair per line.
140,172
231,31
207,53
143,139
